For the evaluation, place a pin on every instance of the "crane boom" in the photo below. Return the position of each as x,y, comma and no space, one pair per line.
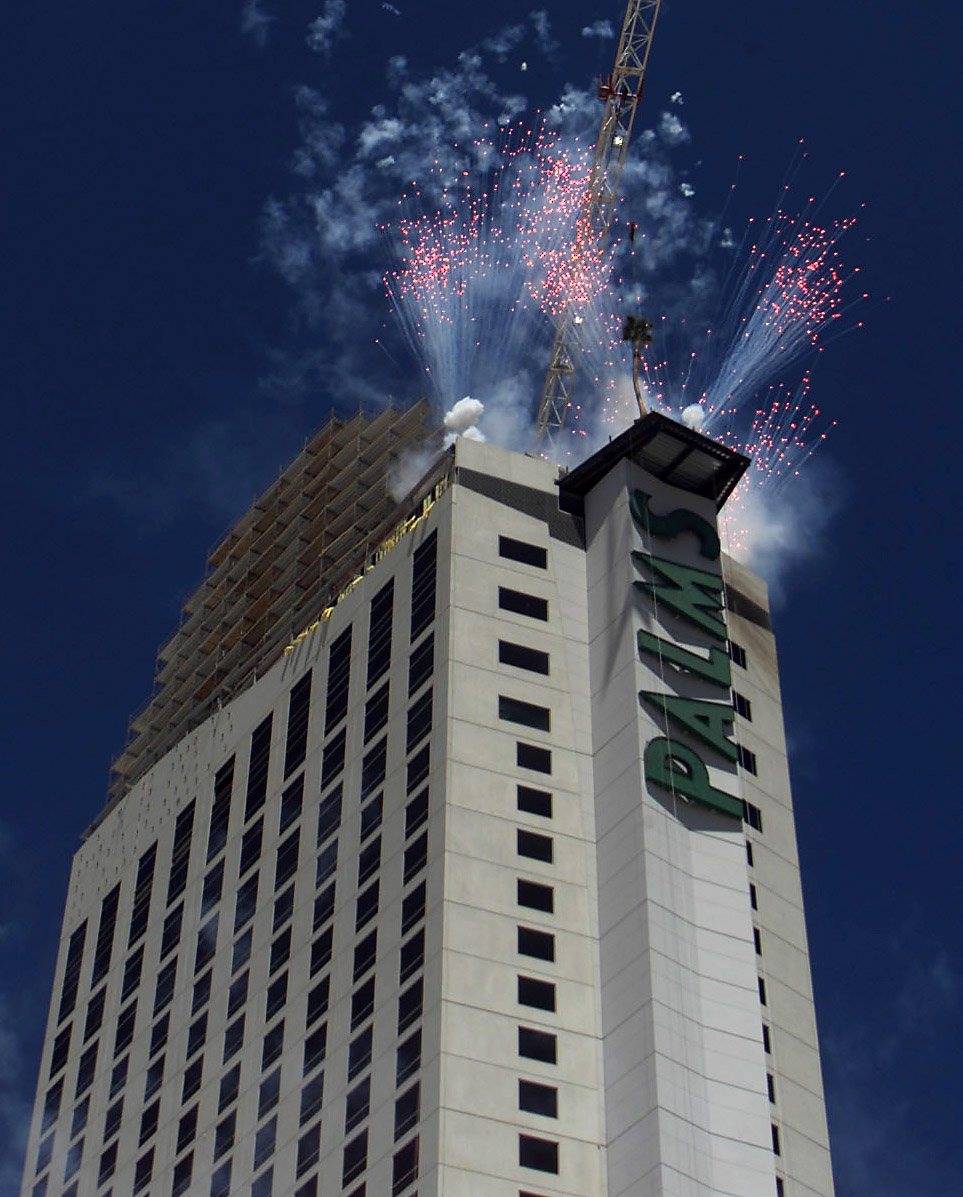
621,92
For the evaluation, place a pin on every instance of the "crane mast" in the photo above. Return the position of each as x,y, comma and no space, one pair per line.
620,92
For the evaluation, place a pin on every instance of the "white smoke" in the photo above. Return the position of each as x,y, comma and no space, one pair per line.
601,30
462,418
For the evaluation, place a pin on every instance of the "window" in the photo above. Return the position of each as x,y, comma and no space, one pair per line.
258,767
410,1005
265,1142
221,1181
329,814
108,1162
753,897
158,1037
142,892
369,860
148,1122
373,768
246,903
327,863
419,720
339,675
780,1187
738,655
404,1171
362,1003
529,756
742,705
421,664
242,953
416,856
762,992
412,956
323,906
534,1098
535,896
61,1048
180,853
299,710
206,944
196,1035
749,854
233,1038
356,1105
273,1046
291,802
371,816
747,759
520,550
522,657
86,1069
224,1135
44,1153
283,909
413,908
113,1118
118,1077
408,1059
522,604
237,994
230,1086
513,710
213,887
79,1121
757,940
367,906
182,1176
534,846
287,859
277,995
202,992
535,802
95,1014
540,1154
355,1158
221,809
142,1171
269,1093
359,1053
407,1110
312,1098
317,1002
132,971
321,951
171,934
108,921
379,632
423,574
771,1086
775,1140
537,1045
416,812
540,994
539,944
250,847
364,954
51,1106
192,1079
376,712
766,1040
315,1047
332,759
752,815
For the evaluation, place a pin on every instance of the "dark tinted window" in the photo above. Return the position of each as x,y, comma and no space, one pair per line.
532,992
329,815
108,917
538,1099
541,1154
522,657
514,710
221,809
423,574
413,908
291,802
299,710
535,802
258,765
419,720
535,896
540,944
520,550
251,847
535,846
332,761
421,664
537,1045
528,756
376,712
522,604
379,632
180,853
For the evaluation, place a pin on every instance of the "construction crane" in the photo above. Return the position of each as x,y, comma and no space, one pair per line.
620,92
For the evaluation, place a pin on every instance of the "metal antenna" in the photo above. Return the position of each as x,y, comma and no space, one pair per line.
620,92
639,331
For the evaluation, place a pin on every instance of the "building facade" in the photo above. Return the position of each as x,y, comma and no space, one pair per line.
484,882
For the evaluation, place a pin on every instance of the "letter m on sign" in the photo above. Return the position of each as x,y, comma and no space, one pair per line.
692,594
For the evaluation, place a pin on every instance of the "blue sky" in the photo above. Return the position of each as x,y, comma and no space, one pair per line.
170,341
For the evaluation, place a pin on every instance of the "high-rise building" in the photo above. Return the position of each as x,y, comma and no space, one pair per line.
454,854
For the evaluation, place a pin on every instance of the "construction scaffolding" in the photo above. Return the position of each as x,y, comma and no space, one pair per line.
277,568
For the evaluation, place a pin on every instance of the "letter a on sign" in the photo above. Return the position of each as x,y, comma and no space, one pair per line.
710,721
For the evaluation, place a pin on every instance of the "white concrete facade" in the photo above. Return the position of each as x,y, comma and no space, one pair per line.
590,1018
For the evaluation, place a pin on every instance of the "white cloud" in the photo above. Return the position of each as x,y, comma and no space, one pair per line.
256,22
601,30
676,98
672,129
687,190
324,29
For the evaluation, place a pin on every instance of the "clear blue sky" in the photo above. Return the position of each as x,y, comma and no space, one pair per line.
157,372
